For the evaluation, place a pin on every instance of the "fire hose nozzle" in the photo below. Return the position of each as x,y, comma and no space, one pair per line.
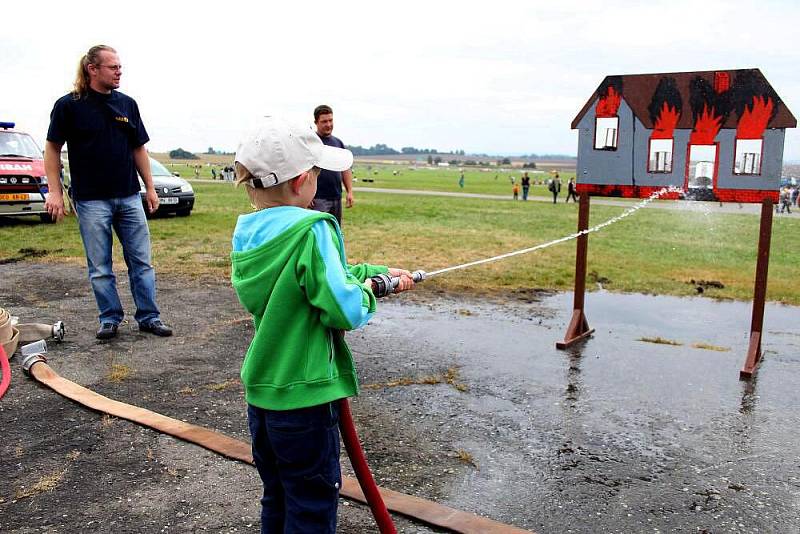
384,284
29,361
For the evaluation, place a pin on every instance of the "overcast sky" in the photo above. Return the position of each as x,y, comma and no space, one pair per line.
504,77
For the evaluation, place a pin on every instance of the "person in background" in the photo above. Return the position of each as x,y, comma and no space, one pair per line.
571,190
329,190
555,187
785,200
526,185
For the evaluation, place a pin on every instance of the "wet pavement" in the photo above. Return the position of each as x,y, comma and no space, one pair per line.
465,401
616,435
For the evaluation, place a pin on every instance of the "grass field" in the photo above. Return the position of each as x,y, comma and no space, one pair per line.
654,251
489,182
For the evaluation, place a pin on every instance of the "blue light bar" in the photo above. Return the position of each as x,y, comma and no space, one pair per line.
6,125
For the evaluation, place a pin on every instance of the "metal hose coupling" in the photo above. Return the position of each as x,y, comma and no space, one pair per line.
33,353
381,285
31,359
58,331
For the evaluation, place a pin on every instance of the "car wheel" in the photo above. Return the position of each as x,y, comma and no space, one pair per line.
46,218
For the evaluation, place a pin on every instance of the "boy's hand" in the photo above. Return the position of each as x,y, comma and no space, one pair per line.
406,282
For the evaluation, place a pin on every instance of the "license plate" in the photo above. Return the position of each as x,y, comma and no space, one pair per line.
18,196
169,200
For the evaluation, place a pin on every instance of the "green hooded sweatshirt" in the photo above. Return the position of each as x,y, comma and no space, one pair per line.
289,271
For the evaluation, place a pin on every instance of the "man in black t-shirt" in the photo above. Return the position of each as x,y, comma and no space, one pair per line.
105,136
526,185
329,183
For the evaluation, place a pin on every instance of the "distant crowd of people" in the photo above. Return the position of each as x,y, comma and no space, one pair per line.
226,173
553,185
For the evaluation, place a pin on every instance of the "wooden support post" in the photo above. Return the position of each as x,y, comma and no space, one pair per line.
759,292
578,328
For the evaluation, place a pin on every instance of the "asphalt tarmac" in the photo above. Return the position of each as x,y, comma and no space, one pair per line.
464,401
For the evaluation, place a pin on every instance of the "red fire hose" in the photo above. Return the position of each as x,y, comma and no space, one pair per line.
363,474
6,370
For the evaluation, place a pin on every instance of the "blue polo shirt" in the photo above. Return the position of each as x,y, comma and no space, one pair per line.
329,183
101,132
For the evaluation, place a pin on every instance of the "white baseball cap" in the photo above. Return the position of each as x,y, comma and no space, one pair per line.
277,151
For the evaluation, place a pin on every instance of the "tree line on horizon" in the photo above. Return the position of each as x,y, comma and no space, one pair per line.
381,149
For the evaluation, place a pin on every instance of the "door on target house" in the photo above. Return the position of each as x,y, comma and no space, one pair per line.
701,167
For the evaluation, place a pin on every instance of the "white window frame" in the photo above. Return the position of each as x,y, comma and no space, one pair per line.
606,133
747,157
663,158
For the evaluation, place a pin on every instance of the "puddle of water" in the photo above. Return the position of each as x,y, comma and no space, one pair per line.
614,424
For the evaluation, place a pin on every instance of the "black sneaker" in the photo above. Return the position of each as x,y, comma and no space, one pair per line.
156,327
106,331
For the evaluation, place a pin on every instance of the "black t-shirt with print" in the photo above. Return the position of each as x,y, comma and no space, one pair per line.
101,131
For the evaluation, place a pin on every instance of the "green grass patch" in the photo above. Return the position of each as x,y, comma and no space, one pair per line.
653,251
485,181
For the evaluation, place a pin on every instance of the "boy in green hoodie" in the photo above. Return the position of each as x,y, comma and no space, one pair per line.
289,270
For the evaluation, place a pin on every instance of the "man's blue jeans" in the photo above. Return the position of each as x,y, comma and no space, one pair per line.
297,456
125,215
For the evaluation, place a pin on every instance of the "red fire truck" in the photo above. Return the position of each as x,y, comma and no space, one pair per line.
23,183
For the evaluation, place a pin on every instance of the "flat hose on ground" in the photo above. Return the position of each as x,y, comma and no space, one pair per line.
423,510
9,334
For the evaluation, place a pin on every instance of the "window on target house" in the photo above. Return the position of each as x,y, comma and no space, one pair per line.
748,156
605,133
660,159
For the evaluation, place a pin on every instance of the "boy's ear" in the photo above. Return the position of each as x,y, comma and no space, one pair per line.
297,182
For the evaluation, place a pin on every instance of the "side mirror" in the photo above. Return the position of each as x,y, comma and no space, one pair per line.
176,174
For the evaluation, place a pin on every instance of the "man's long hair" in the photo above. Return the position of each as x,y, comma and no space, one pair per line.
92,57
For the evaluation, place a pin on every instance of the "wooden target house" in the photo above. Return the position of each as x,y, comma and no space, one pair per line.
718,135
711,135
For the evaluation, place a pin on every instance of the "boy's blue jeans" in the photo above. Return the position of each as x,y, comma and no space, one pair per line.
125,215
297,455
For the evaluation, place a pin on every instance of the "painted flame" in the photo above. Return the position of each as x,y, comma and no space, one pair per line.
608,105
754,119
706,127
665,123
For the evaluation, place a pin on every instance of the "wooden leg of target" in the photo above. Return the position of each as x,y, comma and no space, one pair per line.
578,328
759,293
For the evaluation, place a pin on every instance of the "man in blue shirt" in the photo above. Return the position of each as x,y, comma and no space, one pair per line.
329,183
106,137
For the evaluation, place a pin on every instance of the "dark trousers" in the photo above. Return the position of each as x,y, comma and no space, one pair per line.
329,205
571,194
296,453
